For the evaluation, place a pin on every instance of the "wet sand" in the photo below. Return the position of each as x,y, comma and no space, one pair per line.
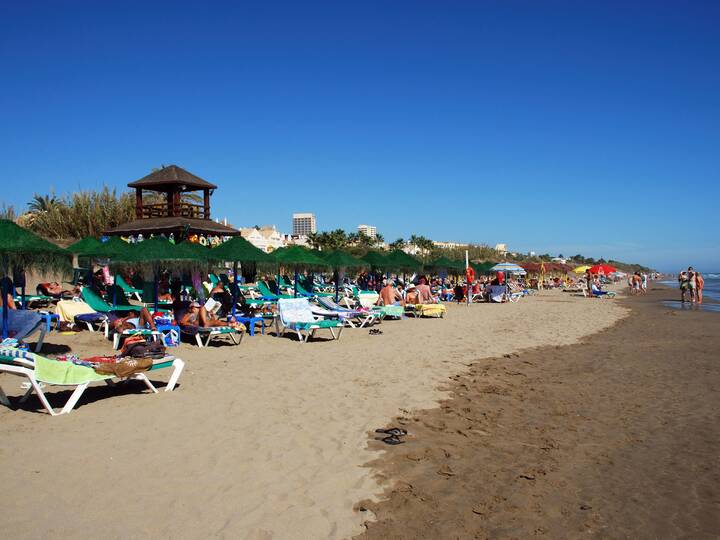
617,436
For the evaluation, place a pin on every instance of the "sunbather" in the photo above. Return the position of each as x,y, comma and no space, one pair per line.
389,295
425,295
133,321
198,316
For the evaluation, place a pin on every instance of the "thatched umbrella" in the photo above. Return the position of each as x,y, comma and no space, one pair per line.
297,257
22,250
339,259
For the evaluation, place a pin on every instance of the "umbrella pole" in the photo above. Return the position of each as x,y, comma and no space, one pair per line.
296,281
468,284
115,290
235,288
277,282
312,281
336,276
155,291
5,293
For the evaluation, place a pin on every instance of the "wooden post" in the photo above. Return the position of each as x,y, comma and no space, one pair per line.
175,209
138,203
206,193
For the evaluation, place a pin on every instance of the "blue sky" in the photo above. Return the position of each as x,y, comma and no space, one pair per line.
560,127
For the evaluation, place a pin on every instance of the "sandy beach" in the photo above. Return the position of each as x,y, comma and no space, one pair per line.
613,437
270,439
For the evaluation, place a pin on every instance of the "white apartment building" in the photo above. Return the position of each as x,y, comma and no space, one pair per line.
266,237
449,245
304,224
367,230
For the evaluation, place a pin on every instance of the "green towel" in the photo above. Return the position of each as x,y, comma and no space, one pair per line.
54,372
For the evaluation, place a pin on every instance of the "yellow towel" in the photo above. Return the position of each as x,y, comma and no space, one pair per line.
67,309
431,310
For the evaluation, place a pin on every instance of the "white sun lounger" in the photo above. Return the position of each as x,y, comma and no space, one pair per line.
22,363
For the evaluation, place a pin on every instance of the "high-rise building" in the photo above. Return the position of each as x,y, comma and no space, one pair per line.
368,230
304,224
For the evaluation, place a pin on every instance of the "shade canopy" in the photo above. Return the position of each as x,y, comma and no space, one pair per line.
297,256
443,263
172,176
582,269
85,247
22,249
511,268
399,260
483,268
605,269
375,259
237,249
342,259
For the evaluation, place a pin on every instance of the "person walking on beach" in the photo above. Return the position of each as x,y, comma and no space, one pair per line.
699,284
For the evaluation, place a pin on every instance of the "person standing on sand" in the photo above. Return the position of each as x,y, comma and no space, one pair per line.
682,280
588,282
692,284
699,284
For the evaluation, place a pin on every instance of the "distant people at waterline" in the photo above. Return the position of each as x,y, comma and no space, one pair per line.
691,284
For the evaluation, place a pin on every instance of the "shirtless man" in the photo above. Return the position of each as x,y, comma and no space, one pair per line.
692,284
389,296
425,295
683,281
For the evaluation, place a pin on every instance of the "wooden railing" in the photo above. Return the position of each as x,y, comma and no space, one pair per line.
184,209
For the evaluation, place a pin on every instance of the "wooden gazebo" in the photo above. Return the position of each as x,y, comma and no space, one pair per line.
173,214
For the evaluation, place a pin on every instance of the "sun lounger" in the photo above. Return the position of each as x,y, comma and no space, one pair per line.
355,318
426,310
128,289
204,335
41,371
267,294
79,312
22,323
395,312
118,337
296,314
92,299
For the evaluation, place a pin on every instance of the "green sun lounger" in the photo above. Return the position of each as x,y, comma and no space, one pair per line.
94,300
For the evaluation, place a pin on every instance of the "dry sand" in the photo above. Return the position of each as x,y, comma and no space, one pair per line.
265,440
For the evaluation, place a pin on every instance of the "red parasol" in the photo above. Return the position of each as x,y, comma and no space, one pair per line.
604,269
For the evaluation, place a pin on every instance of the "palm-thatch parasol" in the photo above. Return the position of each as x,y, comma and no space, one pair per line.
22,250
297,257
339,259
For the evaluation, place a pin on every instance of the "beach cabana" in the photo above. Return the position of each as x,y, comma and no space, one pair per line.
21,250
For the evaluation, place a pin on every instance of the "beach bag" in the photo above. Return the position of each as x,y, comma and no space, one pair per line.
145,349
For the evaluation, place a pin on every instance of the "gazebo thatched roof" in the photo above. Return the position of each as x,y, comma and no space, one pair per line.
175,225
172,175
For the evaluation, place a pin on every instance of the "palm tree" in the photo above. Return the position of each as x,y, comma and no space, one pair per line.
397,244
42,203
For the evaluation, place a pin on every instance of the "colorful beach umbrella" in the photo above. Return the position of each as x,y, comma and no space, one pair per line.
510,268
604,269
581,269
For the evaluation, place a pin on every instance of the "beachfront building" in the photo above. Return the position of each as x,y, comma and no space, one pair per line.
170,209
304,224
267,237
501,249
367,230
450,245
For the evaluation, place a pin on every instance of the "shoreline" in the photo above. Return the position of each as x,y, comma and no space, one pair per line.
610,436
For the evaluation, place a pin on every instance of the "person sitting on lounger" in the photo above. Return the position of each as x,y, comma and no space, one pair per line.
389,296
198,316
411,297
133,321
425,295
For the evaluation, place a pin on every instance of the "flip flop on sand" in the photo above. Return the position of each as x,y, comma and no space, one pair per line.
375,332
392,439
397,432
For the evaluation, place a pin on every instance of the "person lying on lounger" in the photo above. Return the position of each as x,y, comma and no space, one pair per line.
134,320
198,316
